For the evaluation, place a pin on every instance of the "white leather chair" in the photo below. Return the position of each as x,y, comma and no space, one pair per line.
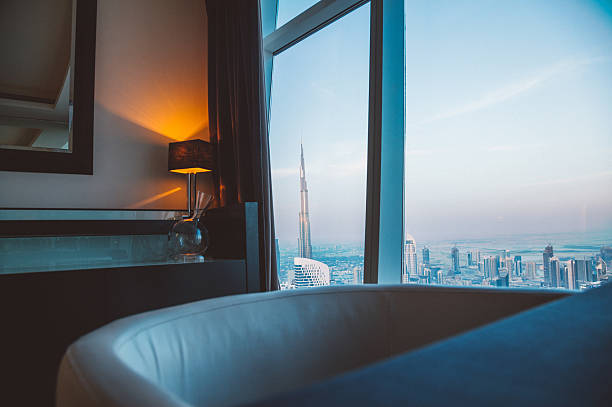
231,350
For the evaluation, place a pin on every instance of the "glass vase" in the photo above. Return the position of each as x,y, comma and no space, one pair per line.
188,239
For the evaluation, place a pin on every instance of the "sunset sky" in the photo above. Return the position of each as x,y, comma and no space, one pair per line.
508,121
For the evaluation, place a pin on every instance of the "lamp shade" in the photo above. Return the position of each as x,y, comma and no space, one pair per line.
192,156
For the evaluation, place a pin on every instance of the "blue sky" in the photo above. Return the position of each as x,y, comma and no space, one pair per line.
508,120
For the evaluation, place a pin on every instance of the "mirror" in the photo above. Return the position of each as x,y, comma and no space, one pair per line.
35,80
46,85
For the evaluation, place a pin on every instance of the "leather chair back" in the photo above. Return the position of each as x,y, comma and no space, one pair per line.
231,350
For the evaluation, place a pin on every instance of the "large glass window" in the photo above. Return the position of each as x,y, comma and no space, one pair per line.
508,143
318,149
289,9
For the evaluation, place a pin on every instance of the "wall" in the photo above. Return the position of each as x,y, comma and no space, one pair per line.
151,89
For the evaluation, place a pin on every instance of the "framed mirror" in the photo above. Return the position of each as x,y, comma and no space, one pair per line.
47,73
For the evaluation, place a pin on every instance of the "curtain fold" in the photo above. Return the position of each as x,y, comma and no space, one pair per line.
237,118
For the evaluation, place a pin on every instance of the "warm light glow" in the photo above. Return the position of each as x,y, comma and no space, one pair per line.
190,170
155,80
154,198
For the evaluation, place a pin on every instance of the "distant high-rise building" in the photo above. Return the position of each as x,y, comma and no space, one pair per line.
358,275
518,266
496,266
491,267
547,255
601,269
606,254
455,260
583,270
554,268
531,270
562,274
304,246
503,280
473,258
590,270
571,280
426,274
440,276
506,253
410,259
310,273
426,256
508,264
486,265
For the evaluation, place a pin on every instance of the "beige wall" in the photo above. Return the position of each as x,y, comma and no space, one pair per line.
151,89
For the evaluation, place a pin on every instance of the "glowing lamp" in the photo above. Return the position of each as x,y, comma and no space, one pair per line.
190,157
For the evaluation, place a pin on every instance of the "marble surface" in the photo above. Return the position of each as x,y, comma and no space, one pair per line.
40,254
88,214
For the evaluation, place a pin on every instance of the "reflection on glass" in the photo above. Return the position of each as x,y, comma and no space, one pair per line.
36,74
288,9
508,145
318,147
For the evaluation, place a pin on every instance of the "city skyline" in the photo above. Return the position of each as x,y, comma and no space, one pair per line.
576,265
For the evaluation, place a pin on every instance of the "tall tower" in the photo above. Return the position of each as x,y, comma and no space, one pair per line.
455,259
426,255
518,265
554,269
410,259
304,246
546,256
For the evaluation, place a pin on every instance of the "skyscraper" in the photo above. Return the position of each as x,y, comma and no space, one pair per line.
475,257
455,259
426,255
571,280
410,259
487,266
310,273
547,255
584,270
496,266
491,267
358,275
531,269
554,271
606,254
601,268
518,265
304,246
440,277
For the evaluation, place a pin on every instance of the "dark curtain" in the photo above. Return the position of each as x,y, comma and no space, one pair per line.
237,118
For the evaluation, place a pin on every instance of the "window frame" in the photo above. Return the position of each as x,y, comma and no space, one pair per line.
384,229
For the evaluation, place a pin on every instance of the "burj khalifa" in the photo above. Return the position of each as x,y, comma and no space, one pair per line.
304,246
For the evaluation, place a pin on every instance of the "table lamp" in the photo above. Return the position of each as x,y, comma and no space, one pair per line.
190,157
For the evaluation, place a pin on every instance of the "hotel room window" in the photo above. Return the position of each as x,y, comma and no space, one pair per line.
289,9
318,149
508,143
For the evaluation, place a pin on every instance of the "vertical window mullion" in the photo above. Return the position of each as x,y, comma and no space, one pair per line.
385,202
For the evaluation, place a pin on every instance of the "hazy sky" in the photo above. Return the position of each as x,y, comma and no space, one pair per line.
508,121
